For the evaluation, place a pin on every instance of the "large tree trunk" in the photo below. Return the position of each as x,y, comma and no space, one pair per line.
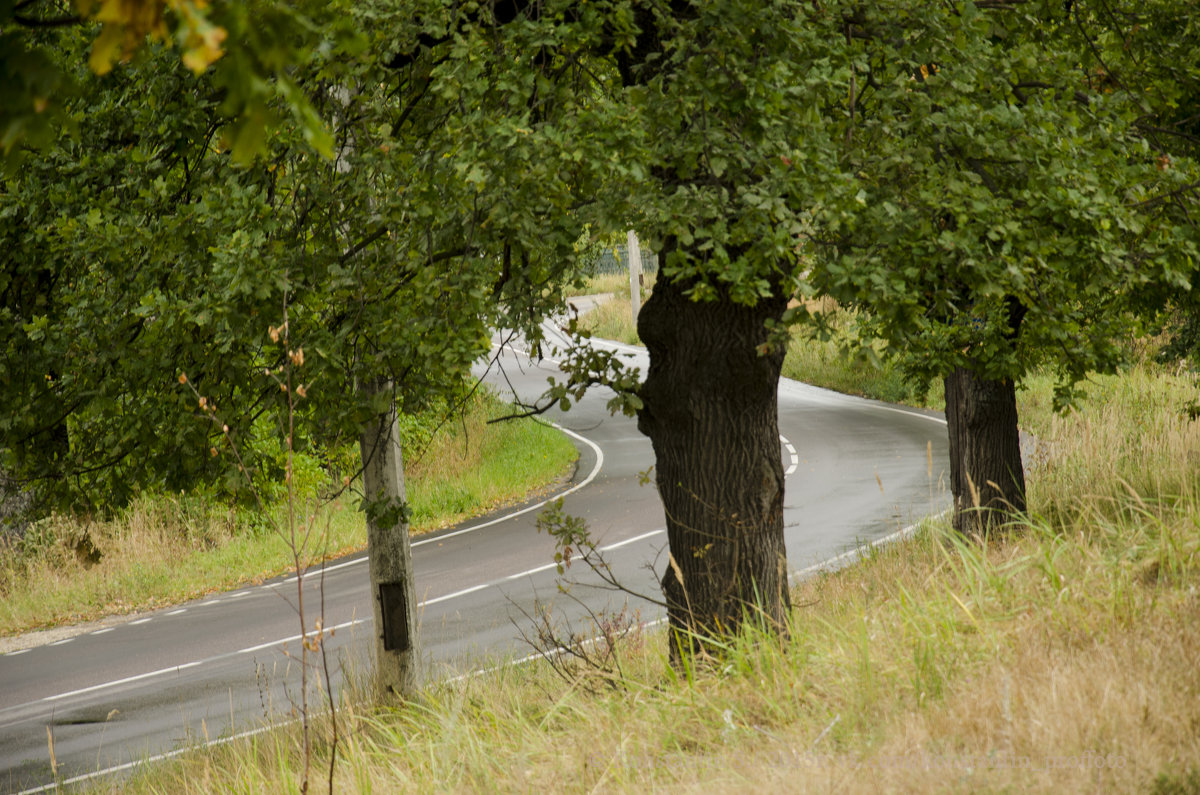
389,549
711,412
987,479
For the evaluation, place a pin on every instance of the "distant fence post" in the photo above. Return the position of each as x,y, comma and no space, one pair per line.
635,273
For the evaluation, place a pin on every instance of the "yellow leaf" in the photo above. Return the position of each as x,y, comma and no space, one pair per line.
202,47
106,49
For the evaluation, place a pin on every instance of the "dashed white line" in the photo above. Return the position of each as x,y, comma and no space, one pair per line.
18,651
210,602
237,594
140,621
61,642
101,631
463,592
176,612
792,455
633,540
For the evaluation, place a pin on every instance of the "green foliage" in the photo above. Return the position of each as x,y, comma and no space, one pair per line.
1004,213
160,299
989,183
249,51
571,535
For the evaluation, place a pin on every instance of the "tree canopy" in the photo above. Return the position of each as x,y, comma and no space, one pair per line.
138,249
996,183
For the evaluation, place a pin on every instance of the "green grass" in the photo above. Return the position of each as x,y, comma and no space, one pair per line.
616,283
1058,658
837,364
169,548
612,320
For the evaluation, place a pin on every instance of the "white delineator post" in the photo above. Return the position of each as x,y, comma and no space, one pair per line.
635,273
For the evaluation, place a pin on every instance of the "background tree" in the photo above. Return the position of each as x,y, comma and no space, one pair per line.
1150,52
1004,212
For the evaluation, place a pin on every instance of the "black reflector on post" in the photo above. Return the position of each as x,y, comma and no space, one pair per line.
395,610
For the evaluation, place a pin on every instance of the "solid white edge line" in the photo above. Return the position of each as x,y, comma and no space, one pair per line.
857,552
591,476
152,759
909,412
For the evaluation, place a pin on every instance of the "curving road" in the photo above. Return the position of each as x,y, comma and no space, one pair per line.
857,471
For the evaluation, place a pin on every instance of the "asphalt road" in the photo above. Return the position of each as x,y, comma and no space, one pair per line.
857,471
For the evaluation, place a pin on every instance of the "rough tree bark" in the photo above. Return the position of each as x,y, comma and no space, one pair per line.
987,479
711,412
389,549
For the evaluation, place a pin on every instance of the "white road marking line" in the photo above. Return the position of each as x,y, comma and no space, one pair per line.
315,571
463,592
528,355
210,602
61,642
791,450
18,651
633,540
537,655
858,551
528,573
930,417
140,621
591,476
276,643
192,664
102,631
176,612
114,683
237,594
149,760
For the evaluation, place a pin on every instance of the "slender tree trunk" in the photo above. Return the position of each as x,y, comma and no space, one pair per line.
711,412
987,479
389,549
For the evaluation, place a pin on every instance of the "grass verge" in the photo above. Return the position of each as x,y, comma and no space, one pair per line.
1058,658
615,283
170,548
